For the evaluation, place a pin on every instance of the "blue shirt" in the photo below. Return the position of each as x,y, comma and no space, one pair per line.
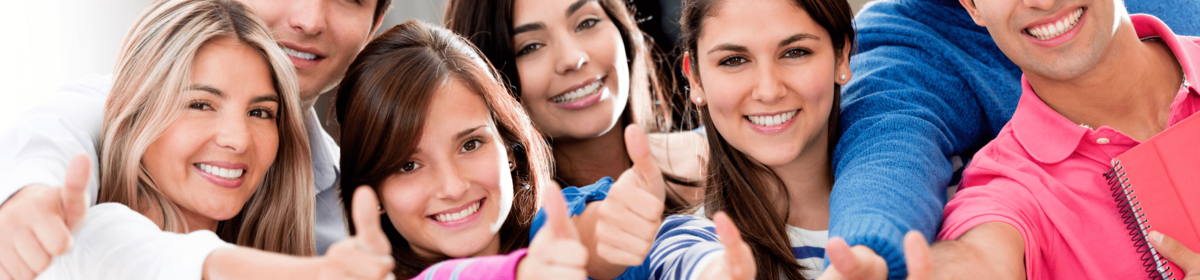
929,87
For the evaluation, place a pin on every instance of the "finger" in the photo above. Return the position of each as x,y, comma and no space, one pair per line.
831,273
617,253
74,191
843,259
643,162
568,253
1175,252
557,219
32,254
4,274
366,222
363,266
53,237
644,206
13,264
561,272
738,257
917,257
873,265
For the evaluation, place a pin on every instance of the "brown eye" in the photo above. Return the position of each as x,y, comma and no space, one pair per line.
528,49
409,167
587,24
470,145
733,61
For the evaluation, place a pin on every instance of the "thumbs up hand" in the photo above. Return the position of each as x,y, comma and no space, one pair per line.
862,263
555,253
632,212
1184,259
37,222
738,261
367,255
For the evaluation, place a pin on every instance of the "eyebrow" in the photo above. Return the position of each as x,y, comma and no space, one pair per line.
266,98
464,133
798,37
528,27
207,88
575,6
728,47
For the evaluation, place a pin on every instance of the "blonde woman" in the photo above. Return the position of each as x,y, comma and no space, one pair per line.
204,167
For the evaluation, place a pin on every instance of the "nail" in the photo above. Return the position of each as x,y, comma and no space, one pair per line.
385,260
1156,236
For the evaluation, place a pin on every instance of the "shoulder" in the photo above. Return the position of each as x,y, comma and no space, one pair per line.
679,153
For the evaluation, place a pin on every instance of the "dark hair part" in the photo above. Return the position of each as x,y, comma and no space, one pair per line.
382,104
489,24
737,183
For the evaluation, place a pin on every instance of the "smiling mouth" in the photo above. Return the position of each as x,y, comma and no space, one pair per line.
1054,29
450,217
300,54
579,93
230,174
772,120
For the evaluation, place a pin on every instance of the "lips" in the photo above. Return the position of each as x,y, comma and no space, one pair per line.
579,92
457,214
222,174
772,120
1056,28
302,57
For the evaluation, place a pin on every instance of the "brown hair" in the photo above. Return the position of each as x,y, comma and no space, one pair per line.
737,183
489,24
151,72
382,103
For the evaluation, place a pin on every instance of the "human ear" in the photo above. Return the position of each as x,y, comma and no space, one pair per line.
693,76
843,66
973,10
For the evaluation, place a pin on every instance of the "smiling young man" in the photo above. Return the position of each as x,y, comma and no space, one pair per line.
321,37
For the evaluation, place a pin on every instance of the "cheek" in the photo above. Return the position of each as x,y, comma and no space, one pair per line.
166,158
266,144
535,74
725,94
404,202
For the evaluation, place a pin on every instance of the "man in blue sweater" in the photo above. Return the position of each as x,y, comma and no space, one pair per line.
930,88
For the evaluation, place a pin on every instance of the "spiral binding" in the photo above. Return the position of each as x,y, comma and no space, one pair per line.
1136,222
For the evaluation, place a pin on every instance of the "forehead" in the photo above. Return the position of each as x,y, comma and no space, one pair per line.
755,22
454,107
231,64
527,11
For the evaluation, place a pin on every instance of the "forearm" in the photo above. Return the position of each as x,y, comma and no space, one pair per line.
989,251
245,263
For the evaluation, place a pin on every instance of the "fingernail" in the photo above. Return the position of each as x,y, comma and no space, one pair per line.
390,276
385,260
1156,236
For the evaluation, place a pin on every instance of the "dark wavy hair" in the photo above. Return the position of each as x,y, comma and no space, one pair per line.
382,104
737,183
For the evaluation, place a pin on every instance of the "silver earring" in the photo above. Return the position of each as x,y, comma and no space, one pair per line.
511,166
843,76
699,99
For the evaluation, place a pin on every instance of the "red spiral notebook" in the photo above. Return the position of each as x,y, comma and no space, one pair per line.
1157,187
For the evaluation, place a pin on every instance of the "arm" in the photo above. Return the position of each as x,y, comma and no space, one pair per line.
993,250
909,108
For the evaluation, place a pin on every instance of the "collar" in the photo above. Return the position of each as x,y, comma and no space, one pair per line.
1050,138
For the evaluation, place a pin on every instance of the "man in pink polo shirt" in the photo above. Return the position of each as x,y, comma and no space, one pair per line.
1034,202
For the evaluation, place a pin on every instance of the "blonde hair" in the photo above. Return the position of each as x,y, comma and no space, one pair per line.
152,72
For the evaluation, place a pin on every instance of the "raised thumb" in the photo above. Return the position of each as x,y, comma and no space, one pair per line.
643,163
738,257
1175,252
558,221
366,221
74,191
917,256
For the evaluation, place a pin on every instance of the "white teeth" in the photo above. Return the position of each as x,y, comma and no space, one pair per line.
299,54
456,216
221,172
772,120
579,93
1051,30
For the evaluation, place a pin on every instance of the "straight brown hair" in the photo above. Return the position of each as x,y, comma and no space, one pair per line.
736,183
382,104
489,25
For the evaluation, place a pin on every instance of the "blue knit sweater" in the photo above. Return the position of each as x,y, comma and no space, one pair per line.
928,85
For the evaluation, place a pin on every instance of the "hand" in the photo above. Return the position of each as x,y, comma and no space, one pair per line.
367,255
738,260
555,252
632,212
37,222
860,262
1187,261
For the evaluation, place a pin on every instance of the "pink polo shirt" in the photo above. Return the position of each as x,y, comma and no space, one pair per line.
1043,175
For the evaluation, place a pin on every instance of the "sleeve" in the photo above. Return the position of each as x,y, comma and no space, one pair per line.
47,135
116,242
683,248
577,199
498,267
987,195
905,113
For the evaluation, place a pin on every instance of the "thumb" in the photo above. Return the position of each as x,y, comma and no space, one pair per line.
366,222
917,257
74,190
738,258
643,162
849,263
558,222
1176,252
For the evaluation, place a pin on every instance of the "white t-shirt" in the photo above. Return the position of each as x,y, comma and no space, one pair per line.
69,121
116,242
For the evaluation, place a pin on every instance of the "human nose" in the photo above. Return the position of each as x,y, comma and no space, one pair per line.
570,57
769,88
308,17
233,134
453,185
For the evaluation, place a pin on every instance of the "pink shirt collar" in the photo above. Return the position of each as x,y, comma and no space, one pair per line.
1034,123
